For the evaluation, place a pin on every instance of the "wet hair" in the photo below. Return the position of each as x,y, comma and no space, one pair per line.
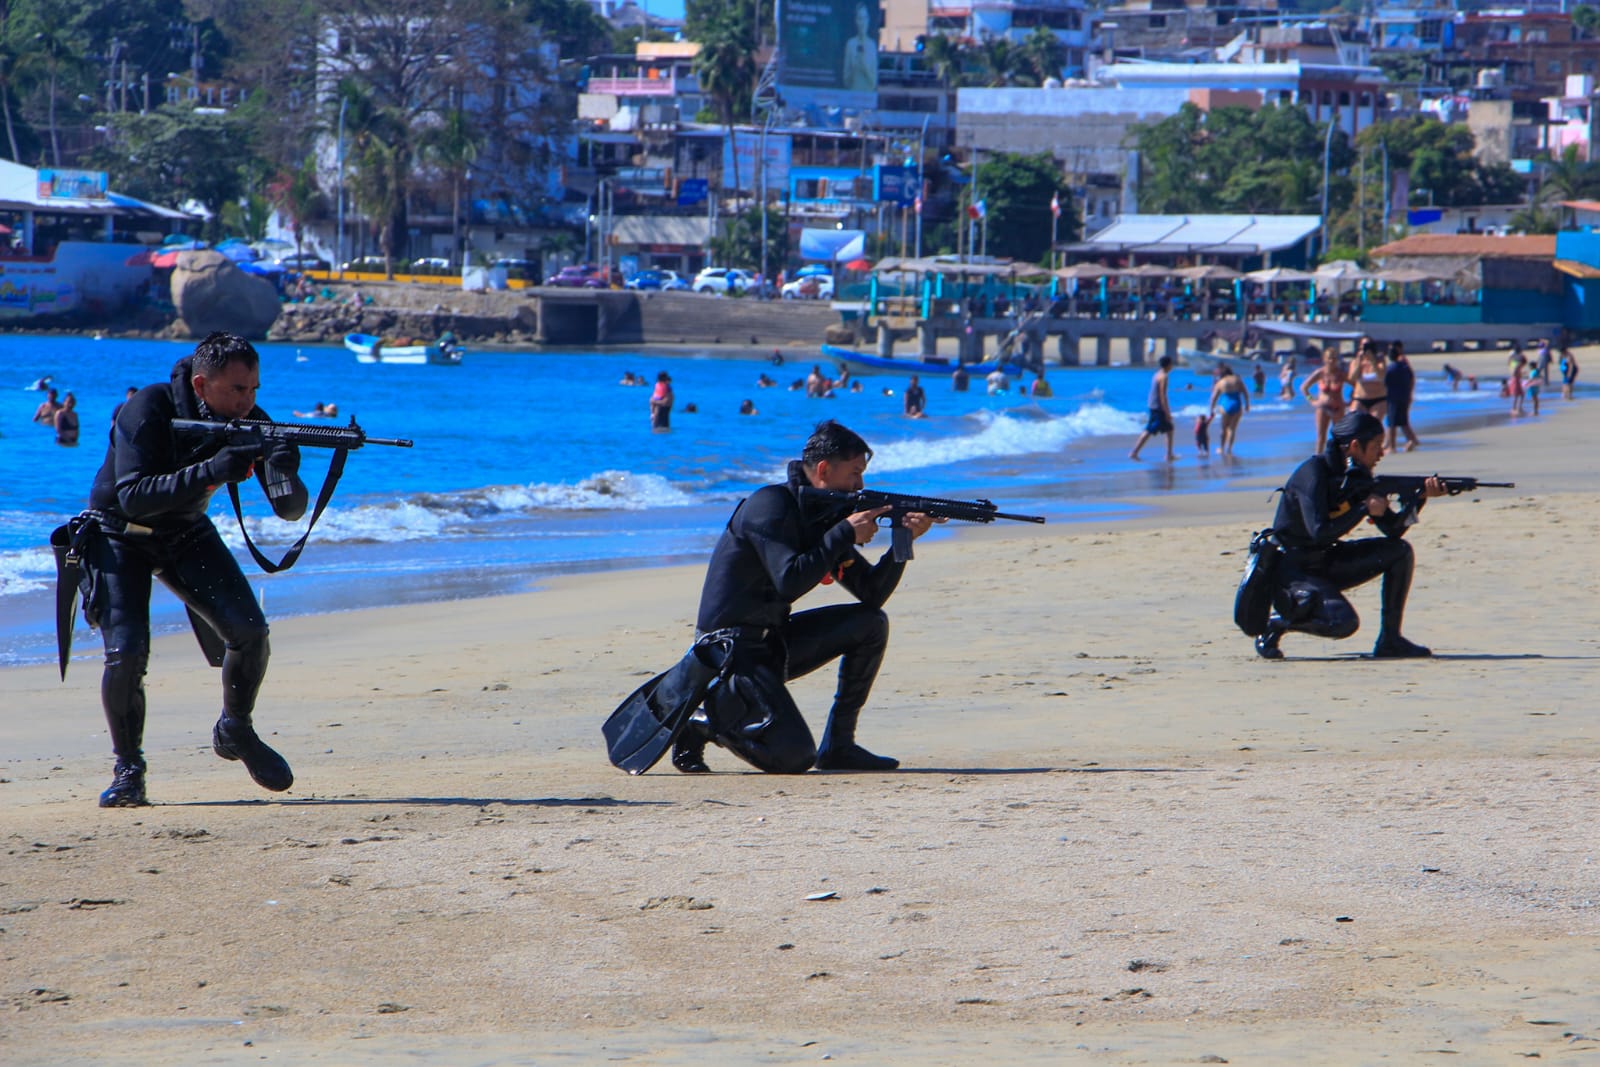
1396,349
1357,426
1165,362
833,442
218,349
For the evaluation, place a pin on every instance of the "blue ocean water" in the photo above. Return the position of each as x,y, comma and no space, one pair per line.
533,463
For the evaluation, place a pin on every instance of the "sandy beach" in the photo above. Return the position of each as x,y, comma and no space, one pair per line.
1118,836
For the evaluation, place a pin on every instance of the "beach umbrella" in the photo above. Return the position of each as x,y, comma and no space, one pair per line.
1082,272
1140,273
1275,275
1207,272
166,260
859,264
143,258
1405,275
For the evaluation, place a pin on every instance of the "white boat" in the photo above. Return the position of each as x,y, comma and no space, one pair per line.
371,349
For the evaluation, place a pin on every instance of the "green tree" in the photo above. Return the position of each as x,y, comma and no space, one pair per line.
1586,17
1043,54
1017,191
54,59
453,146
1002,63
739,243
176,153
946,58
726,67
295,192
1568,178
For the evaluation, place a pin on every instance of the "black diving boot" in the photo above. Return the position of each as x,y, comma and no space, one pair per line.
689,750
235,739
839,751
127,787
1267,643
1397,647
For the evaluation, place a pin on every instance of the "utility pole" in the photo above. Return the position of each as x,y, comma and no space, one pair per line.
338,252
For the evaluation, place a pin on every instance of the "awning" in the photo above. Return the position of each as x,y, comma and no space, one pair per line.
679,231
1573,268
1212,235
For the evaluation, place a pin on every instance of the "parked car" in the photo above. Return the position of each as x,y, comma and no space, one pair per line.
523,269
430,265
811,287
723,280
814,269
364,265
303,261
656,278
576,276
585,276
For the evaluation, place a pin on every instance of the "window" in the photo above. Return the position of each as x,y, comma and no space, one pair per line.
1158,22
1553,67
1344,98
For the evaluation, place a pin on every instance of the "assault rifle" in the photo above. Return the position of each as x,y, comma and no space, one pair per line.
259,432
900,505
1411,488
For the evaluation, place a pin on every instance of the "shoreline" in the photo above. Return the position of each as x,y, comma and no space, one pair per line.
1145,494
1117,834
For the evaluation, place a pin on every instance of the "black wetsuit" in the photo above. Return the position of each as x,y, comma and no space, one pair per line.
772,552
1400,382
159,487
1321,503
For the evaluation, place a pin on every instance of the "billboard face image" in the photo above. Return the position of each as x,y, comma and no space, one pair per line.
831,48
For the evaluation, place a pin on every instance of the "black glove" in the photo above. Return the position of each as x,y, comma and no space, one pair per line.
232,464
282,456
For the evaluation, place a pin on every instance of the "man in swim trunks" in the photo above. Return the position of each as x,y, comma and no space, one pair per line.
1160,420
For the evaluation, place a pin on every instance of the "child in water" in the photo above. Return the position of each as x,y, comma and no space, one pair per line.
1202,434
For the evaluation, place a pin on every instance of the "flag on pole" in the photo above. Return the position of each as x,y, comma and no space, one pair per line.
979,209
1055,206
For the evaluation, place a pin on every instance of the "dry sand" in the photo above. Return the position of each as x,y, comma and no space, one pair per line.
1118,837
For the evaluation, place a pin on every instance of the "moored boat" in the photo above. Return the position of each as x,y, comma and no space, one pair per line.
372,349
862,363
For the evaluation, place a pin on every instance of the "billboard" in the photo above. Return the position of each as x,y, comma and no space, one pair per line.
896,184
72,184
748,147
828,52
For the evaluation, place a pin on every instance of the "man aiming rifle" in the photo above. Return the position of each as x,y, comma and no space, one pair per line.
1299,568
147,519
782,542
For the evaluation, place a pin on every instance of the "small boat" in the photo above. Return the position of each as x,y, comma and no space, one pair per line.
371,349
862,363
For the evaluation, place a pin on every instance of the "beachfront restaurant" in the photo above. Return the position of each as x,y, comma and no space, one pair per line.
69,244
1457,279
1141,256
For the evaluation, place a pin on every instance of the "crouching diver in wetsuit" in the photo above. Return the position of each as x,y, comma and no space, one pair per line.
1326,497
776,548
147,518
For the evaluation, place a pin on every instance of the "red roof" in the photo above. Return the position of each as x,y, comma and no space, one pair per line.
1541,246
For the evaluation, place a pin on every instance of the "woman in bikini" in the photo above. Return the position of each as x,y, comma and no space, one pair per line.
1324,387
1367,388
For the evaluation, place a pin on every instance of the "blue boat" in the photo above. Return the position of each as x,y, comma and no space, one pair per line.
865,364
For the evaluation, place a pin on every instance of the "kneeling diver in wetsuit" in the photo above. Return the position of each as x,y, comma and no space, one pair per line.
147,519
1325,498
776,548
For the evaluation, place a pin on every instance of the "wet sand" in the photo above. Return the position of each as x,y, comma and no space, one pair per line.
1118,836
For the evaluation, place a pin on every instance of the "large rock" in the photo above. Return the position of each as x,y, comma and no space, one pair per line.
210,293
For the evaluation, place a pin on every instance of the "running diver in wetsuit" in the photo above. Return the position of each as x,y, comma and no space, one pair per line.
1326,497
149,504
776,548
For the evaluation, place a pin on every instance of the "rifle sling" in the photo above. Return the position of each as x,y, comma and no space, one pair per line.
335,469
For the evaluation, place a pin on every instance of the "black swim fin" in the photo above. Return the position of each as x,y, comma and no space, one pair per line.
645,725
69,578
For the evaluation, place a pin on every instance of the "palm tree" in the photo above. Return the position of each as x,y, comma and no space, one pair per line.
380,175
9,61
943,57
1001,62
1043,54
297,195
453,145
56,55
726,68
1569,178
